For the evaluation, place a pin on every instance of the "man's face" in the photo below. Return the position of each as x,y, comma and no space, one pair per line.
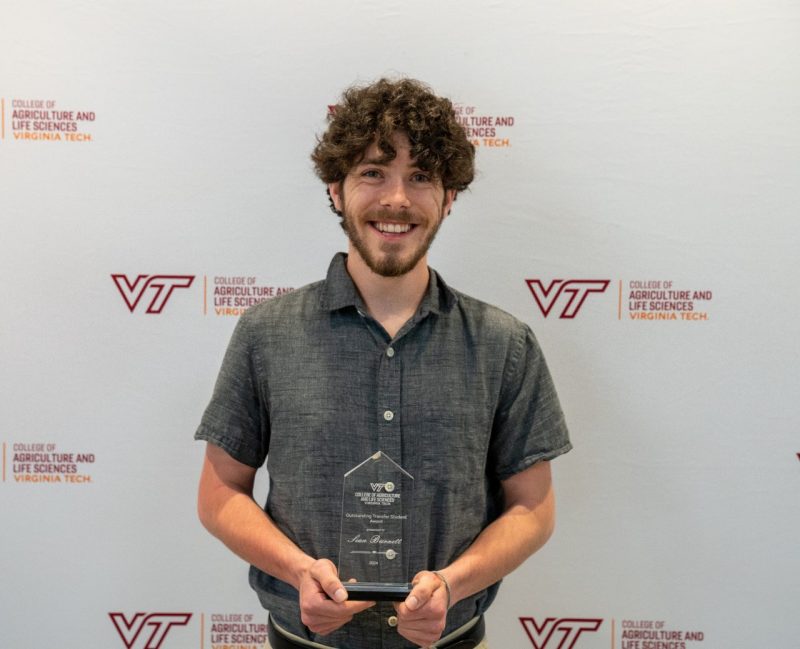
391,211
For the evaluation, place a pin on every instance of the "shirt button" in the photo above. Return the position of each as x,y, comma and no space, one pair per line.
390,352
392,621
388,415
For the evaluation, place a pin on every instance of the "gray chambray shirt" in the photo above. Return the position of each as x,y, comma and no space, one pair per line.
461,398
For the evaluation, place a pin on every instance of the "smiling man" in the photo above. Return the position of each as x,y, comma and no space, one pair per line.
383,355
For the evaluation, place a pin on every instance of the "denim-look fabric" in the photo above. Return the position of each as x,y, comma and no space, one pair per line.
306,384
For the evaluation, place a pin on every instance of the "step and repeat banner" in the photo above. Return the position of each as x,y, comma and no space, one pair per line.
635,204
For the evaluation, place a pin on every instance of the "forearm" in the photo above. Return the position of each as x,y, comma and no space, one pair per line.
525,526
230,514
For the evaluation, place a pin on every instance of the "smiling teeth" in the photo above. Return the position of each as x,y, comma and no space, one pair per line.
393,228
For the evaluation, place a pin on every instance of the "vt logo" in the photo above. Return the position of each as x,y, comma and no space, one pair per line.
377,487
161,287
556,633
575,292
147,631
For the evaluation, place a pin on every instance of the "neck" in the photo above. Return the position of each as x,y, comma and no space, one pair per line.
390,300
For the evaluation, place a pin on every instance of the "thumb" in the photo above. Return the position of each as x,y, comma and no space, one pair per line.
325,574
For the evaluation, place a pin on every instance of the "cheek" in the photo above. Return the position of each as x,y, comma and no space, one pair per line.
358,198
435,205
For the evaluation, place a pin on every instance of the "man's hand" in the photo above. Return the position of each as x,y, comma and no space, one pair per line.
323,600
421,617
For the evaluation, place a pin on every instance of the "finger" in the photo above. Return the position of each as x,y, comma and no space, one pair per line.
356,607
421,633
325,616
322,606
348,607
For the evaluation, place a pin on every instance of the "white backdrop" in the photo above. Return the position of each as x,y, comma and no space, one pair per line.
654,145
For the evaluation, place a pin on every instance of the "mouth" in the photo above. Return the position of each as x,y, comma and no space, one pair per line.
385,227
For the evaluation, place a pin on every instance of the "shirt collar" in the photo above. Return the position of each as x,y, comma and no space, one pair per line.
340,291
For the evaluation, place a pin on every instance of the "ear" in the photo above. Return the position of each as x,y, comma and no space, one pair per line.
335,190
449,197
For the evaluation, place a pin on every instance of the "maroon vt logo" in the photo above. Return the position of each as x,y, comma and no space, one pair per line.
556,633
571,293
147,631
158,288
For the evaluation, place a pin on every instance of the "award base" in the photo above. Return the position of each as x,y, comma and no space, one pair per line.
377,592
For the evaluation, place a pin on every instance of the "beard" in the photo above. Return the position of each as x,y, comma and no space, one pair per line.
387,260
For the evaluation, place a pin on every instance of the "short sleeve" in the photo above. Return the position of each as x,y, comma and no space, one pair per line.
236,419
529,424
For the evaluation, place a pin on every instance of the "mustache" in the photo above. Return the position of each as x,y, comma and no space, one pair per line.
384,214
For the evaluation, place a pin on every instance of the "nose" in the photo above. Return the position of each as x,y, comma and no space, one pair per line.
395,195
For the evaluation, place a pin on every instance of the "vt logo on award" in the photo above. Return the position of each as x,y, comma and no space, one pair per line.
375,500
377,486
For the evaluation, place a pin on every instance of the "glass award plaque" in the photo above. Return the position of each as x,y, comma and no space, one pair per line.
373,546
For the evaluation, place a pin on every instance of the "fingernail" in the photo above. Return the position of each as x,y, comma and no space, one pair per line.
412,602
340,595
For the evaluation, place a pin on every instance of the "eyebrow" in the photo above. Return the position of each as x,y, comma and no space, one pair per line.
382,162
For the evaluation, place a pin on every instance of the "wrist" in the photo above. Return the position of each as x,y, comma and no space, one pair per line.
446,584
300,569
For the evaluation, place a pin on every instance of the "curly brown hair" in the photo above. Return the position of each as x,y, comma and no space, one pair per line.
439,144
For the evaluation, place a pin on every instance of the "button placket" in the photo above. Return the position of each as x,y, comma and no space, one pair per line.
388,384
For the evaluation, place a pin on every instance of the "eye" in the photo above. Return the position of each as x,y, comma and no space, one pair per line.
421,177
370,173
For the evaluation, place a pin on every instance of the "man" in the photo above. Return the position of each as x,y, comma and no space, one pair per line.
383,355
